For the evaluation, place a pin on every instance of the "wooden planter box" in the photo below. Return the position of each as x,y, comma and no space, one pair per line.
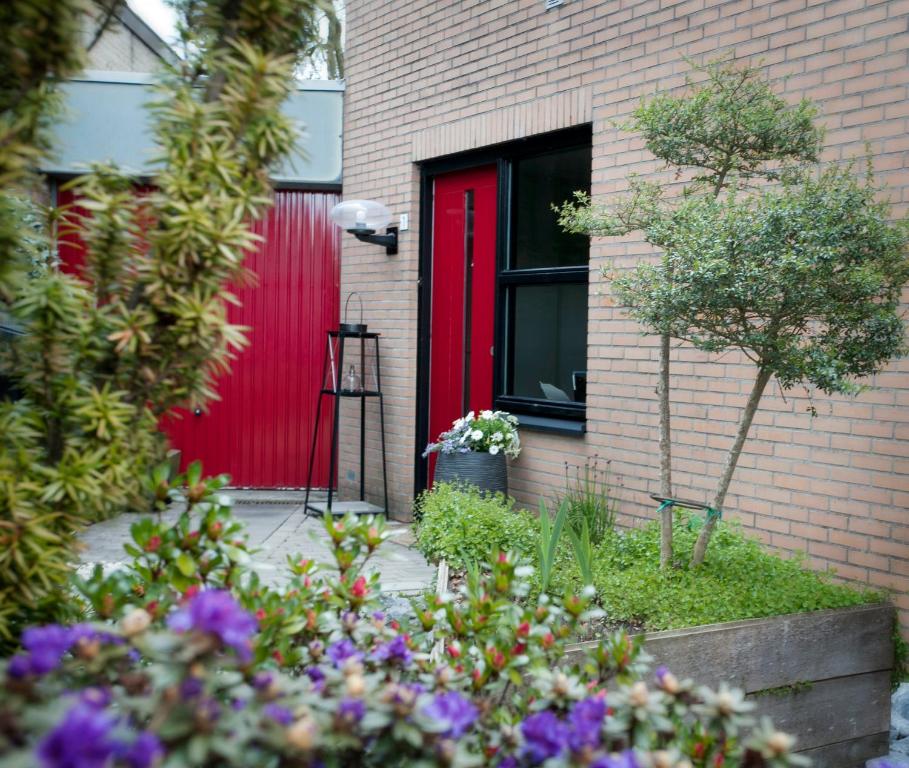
823,677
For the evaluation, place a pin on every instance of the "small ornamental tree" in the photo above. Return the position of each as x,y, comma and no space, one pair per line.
104,357
803,277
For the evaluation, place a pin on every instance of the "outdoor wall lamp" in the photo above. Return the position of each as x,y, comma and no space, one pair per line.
362,218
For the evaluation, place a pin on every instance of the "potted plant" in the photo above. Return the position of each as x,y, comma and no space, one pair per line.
474,450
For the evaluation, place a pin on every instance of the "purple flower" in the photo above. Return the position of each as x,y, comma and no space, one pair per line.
660,674
624,760
262,680
81,740
281,715
586,722
545,736
216,612
317,676
351,711
145,751
96,697
452,710
46,646
509,761
19,666
191,687
342,651
395,650
378,616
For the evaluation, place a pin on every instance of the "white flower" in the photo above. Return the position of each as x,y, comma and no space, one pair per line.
476,434
469,416
493,449
497,437
487,415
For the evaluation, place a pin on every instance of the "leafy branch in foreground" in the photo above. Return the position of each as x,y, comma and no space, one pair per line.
144,328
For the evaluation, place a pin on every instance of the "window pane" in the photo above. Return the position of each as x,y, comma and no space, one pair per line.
538,183
549,354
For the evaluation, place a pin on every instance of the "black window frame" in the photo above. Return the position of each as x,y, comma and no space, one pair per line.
507,279
545,415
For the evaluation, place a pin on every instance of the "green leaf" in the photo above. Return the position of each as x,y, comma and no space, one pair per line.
186,564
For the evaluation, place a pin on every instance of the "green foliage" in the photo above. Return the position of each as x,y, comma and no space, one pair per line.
740,580
728,122
587,495
547,546
581,546
805,278
104,357
312,674
462,524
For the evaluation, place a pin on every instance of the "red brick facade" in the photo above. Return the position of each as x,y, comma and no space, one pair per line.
428,78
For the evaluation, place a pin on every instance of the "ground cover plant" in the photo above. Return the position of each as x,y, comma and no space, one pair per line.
144,329
461,524
741,580
183,659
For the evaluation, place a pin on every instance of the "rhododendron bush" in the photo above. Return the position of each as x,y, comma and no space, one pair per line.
184,659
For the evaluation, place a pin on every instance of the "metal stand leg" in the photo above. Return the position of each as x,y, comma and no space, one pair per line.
382,425
363,420
312,455
315,431
335,429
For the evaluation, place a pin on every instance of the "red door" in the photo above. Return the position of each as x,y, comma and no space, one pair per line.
463,296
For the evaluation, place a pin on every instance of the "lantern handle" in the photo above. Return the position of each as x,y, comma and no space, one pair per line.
353,327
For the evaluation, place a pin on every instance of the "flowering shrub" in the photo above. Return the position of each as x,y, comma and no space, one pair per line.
224,671
490,432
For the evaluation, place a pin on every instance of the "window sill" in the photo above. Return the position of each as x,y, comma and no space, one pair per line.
552,426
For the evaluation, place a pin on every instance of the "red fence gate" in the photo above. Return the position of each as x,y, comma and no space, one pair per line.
260,431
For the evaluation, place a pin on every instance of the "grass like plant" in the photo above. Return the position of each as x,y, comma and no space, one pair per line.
550,533
587,496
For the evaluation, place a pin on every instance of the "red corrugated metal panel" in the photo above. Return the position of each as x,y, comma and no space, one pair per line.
260,431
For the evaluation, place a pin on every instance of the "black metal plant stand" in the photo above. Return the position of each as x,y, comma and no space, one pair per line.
337,391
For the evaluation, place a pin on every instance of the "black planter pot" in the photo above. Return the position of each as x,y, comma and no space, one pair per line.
487,472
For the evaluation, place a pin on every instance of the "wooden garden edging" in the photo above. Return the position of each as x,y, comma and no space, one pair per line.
823,677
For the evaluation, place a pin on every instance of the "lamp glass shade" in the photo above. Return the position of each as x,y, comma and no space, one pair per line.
360,214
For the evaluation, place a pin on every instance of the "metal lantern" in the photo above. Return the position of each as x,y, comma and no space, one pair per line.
351,369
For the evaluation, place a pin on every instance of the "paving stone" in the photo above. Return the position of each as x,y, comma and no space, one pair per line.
277,530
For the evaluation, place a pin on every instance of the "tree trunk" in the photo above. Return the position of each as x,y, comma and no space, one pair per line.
665,454
732,458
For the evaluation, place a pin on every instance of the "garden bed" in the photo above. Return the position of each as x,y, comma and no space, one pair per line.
823,676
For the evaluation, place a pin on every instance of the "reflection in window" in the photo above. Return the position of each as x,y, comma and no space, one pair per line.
550,342
538,183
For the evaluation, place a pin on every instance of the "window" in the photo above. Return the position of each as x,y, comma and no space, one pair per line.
542,283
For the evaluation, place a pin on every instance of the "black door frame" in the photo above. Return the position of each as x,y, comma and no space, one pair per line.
501,155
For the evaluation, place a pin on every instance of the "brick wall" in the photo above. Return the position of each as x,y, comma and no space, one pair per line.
119,50
432,77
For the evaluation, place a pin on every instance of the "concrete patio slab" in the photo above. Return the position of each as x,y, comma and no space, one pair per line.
277,530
